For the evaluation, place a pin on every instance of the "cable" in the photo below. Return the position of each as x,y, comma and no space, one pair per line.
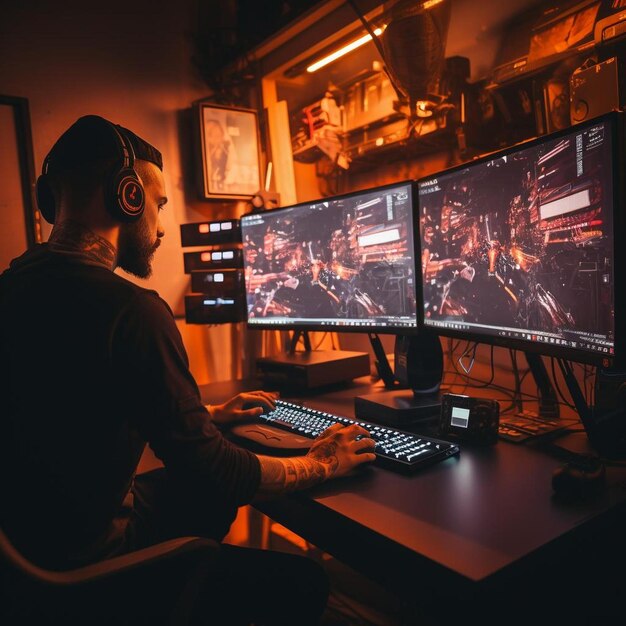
319,343
518,383
333,342
589,372
515,396
490,381
468,369
558,388
399,91
466,377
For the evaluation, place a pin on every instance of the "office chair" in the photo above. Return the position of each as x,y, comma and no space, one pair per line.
154,585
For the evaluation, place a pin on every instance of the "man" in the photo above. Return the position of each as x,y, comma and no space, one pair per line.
93,367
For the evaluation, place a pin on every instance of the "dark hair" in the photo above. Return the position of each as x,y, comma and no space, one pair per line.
91,140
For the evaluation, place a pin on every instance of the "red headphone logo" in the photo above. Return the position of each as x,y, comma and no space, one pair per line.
131,196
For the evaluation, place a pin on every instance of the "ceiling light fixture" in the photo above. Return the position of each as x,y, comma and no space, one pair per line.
357,43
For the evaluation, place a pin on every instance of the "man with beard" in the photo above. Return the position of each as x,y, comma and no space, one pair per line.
93,367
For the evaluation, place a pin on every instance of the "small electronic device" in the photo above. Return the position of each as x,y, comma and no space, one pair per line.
210,233
474,420
227,283
230,257
311,369
206,309
216,274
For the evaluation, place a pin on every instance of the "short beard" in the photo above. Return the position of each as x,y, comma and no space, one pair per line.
136,249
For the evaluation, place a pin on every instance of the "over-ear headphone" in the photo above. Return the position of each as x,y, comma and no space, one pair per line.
124,195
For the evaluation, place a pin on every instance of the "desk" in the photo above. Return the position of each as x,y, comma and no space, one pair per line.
462,528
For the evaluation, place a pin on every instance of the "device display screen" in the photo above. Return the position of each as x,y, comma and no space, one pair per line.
460,417
344,262
520,245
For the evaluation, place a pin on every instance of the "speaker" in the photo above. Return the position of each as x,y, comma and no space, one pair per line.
419,362
556,100
596,90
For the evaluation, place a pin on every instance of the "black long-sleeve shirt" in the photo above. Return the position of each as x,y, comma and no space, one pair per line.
91,368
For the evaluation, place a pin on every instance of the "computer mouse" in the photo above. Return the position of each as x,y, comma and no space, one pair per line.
578,480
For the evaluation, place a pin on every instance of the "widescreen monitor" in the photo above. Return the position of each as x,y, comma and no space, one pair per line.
345,262
519,248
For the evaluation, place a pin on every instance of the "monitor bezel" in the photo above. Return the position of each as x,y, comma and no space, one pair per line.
616,123
367,328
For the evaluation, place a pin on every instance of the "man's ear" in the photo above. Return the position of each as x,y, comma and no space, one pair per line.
48,197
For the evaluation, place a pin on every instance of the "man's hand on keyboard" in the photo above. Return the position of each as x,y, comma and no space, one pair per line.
243,406
339,450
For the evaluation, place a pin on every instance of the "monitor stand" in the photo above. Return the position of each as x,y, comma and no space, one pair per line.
309,369
411,394
606,429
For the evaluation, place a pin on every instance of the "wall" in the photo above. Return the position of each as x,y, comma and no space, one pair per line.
129,62
132,65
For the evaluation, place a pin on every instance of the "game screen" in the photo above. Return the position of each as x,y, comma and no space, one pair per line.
521,245
345,261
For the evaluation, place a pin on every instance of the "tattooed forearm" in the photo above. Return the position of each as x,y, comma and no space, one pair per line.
329,456
72,237
285,475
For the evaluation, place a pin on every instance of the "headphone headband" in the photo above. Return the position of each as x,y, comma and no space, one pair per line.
128,154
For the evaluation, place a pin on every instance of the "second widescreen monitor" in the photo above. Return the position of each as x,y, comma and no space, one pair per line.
345,262
518,247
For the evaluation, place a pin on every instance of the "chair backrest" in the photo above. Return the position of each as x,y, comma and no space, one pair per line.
18,578
12,559
178,566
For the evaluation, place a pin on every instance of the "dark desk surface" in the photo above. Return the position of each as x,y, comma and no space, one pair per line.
465,520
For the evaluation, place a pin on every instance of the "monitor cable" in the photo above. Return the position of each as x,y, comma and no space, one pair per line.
468,369
558,387
382,362
517,394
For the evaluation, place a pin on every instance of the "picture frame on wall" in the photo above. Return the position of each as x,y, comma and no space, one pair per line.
20,219
229,141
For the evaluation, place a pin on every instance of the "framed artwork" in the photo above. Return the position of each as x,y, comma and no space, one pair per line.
20,227
229,139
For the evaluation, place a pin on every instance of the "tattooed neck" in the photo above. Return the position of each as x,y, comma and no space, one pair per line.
70,237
